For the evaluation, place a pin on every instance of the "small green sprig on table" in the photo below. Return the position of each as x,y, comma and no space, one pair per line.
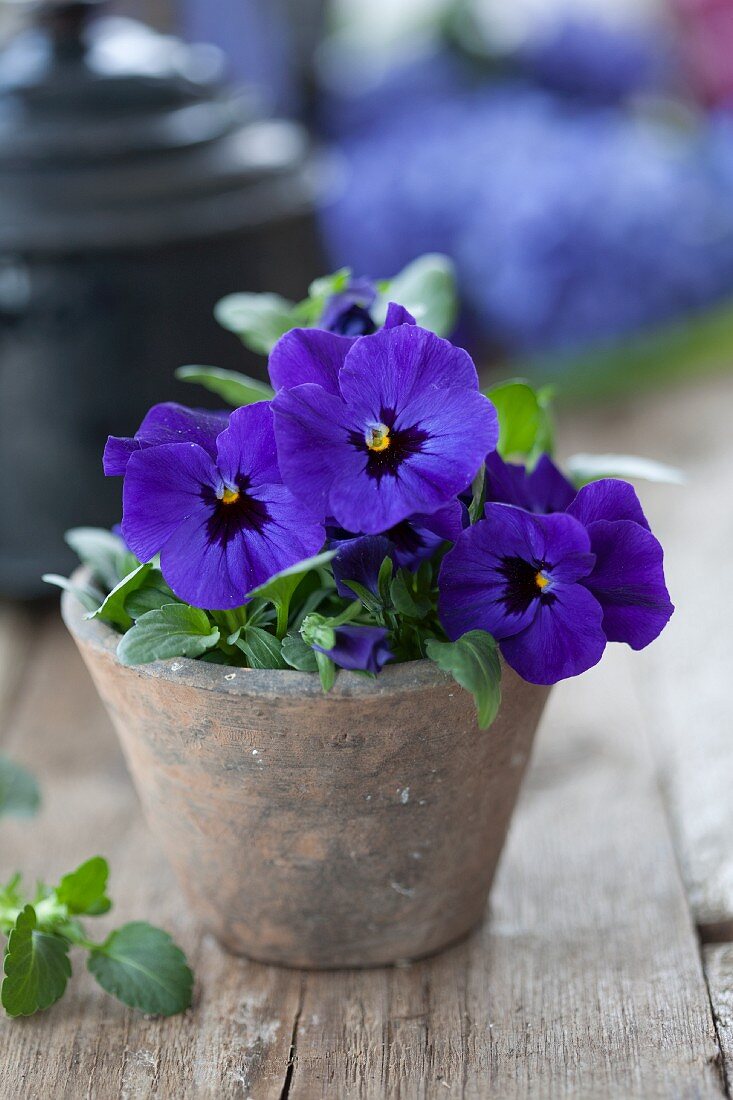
137,963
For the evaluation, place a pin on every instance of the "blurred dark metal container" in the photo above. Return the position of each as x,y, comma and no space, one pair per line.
135,190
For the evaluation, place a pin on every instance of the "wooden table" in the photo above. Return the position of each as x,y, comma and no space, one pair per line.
605,965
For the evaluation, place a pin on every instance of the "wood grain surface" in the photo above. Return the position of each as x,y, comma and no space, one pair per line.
586,979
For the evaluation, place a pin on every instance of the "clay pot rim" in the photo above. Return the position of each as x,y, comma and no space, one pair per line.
405,676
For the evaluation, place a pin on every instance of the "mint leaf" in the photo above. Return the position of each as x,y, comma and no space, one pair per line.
584,468
37,967
259,320
85,889
235,388
427,289
104,552
262,649
143,968
19,793
113,607
174,630
279,589
298,653
473,662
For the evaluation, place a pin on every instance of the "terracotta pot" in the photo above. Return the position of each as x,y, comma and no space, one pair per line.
351,829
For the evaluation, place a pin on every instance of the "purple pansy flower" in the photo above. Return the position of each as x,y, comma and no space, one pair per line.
628,577
362,648
360,559
223,525
520,577
165,423
399,429
347,313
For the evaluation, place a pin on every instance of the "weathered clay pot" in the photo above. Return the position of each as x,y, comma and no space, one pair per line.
352,829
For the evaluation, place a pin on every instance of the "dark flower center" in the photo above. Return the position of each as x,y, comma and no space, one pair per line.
355,321
235,511
525,581
387,447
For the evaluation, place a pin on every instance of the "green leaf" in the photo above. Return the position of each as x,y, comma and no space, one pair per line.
87,595
373,604
143,968
235,388
113,608
19,793
262,649
584,468
37,967
85,889
174,630
259,320
473,662
404,599
279,589
150,597
327,285
299,654
104,552
427,288
519,417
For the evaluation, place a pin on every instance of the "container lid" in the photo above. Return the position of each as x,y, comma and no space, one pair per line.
111,133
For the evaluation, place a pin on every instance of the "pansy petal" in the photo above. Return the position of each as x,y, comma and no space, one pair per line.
628,582
608,499
549,489
362,648
360,560
117,453
448,522
246,450
214,560
397,315
163,487
506,482
387,370
308,355
311,431
564,639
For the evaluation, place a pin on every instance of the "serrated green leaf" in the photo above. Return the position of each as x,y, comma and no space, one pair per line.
299,654
88,596
235,388
102,551
279,590
19,793
142,966
174,630
113,607
262,649
473,662
427,289
84,891
583,468
37,967
259,320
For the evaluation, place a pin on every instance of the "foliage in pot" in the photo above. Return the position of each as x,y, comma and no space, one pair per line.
364,512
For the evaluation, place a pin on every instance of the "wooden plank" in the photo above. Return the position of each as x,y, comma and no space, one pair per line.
236,1040
718,961
586,980
683,680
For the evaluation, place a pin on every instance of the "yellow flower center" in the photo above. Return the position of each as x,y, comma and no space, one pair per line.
230,496
377,437
541,580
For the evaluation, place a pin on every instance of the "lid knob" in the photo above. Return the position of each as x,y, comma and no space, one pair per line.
65,22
